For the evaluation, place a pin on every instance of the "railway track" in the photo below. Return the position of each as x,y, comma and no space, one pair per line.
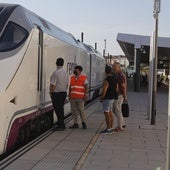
15,155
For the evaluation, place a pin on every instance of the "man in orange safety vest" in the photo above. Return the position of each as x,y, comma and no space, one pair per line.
78,93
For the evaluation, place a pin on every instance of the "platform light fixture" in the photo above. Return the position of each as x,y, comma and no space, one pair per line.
157,6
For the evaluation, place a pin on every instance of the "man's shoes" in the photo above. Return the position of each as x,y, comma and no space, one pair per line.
107,131
124,126
59,128
118,129
84,125
74,126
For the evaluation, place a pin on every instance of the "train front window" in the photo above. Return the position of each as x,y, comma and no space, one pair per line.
12,37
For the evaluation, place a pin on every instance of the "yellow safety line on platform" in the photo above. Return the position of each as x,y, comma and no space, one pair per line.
84,156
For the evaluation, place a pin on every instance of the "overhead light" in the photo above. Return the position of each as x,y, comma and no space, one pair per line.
157,6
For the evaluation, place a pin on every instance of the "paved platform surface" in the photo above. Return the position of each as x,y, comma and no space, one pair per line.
139,147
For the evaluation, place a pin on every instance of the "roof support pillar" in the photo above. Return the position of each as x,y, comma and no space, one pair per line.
136,77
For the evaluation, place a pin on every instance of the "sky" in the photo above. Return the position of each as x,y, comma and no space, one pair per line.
101,19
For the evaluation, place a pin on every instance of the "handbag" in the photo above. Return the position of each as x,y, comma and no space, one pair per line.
125,109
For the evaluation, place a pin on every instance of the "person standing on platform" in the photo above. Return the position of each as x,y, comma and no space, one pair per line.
122,89
78,93
107,98
58,90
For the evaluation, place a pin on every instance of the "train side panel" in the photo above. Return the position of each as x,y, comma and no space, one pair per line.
26,99
53,49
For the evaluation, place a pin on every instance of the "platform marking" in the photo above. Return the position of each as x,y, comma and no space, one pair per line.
85,154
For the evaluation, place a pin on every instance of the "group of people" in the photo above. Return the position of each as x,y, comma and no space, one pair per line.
112,97
78,93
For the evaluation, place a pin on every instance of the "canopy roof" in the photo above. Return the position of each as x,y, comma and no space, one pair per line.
128,43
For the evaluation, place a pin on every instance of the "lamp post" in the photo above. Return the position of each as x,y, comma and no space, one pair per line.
157,5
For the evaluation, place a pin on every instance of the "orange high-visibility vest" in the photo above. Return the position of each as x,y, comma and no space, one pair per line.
77,87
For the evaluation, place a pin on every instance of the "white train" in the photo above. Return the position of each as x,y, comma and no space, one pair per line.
29,47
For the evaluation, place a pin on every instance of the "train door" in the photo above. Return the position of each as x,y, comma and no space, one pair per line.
41,71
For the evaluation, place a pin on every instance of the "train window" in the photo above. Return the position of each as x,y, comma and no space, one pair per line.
1,8
12,37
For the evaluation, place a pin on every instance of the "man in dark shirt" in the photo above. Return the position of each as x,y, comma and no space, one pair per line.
117,106
107,99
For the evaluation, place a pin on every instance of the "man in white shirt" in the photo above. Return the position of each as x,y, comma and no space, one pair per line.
58,90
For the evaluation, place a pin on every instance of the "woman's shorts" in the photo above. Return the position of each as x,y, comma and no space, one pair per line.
108,105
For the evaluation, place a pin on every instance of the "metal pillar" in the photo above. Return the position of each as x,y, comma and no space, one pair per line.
168,135
96,46
155,62
105,47
104,54
136,77
151,70
82,37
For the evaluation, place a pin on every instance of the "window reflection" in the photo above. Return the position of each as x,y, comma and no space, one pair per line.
13,36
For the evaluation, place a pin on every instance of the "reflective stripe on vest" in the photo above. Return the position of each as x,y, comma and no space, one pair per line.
77,87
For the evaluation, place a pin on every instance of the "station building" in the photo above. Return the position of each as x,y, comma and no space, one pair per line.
137,50
117,58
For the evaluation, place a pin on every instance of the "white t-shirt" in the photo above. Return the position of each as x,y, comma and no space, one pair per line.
60,79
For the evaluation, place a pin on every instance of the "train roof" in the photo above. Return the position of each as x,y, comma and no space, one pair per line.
91,50
34,20
30,20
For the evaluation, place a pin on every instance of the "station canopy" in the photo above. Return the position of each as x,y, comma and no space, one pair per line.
130,42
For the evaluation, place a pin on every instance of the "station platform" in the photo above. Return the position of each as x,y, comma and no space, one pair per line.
140,146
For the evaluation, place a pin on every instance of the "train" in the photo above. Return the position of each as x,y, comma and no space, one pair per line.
29,47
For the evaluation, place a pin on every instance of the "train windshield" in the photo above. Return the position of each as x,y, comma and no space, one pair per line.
12,37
